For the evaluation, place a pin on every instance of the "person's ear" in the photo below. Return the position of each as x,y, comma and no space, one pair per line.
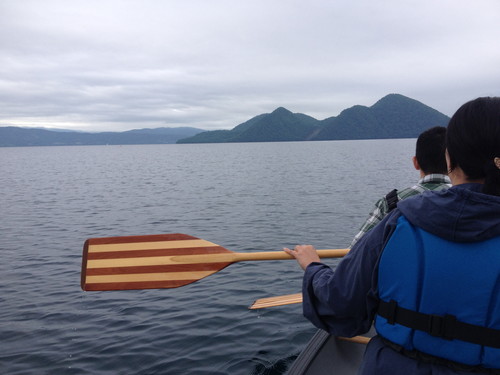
415,163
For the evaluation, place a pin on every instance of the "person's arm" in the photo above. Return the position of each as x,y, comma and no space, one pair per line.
343,302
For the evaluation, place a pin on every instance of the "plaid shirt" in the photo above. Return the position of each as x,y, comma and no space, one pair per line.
429,182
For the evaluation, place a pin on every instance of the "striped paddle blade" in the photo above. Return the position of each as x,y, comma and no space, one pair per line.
149,262
162,261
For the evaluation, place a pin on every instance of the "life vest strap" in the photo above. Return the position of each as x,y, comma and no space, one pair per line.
446,327
392,199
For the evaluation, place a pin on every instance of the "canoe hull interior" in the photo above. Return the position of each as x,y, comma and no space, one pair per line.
326,354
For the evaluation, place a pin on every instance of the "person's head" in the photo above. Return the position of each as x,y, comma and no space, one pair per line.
430,151
473,142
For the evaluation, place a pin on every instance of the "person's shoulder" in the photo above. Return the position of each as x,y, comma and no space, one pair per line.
410,191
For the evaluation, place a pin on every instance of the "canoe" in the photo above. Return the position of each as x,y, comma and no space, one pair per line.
327,354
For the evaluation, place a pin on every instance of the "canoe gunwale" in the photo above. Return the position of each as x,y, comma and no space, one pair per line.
305,358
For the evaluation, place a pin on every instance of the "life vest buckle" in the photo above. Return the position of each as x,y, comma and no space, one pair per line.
442,326
436,326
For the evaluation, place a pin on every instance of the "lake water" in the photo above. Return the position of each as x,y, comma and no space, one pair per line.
245,197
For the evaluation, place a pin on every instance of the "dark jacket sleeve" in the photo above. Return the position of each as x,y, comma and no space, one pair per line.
343,302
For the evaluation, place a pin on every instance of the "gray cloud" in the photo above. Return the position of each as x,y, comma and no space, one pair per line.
118,65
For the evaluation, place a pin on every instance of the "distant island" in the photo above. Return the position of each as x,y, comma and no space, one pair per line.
393,116
11,136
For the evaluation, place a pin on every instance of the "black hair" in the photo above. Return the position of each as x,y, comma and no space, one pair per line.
473,141
430,152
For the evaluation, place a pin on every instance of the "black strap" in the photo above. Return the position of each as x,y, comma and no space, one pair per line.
392,199
446,327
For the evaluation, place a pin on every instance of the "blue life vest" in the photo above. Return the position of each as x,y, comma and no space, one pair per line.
435,282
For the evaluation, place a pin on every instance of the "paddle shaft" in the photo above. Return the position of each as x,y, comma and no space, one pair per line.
234,257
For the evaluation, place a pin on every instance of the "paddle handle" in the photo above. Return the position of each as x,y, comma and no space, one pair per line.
281,255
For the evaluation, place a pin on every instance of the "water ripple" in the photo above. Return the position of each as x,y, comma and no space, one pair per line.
245,197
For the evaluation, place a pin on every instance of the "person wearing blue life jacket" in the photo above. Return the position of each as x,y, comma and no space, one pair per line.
428,275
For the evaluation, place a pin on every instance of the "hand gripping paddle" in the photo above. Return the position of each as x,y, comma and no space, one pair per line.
162,261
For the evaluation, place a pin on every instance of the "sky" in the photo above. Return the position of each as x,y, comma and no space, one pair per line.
115,65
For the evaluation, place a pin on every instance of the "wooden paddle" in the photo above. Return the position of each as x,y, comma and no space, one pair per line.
287,299
162,261
297,298
357,339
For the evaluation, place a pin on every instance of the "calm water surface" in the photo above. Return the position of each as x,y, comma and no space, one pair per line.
245,197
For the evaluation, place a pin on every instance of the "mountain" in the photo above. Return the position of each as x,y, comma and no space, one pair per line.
167,131
393,116
278,126
11,136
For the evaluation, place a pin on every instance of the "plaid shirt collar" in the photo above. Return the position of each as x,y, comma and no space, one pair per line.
435,178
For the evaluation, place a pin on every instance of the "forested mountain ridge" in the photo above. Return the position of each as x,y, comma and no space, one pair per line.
394,116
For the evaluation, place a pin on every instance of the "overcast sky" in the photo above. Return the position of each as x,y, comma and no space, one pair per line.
102,65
